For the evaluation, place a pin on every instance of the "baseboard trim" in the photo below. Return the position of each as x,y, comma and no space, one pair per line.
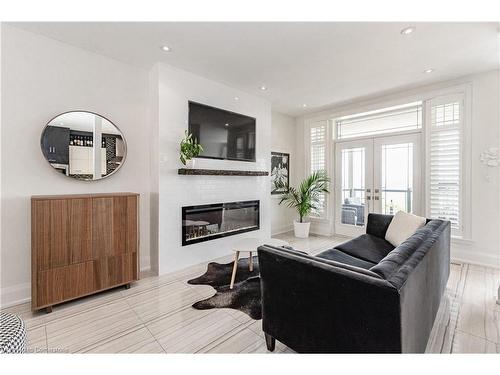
477,258
320,232
15,295
282,230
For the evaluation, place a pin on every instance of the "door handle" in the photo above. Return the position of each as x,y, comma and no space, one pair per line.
376,190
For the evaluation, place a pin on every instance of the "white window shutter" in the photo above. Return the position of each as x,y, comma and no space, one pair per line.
318,134
445,160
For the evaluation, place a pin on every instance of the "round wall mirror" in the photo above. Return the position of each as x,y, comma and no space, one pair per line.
83,145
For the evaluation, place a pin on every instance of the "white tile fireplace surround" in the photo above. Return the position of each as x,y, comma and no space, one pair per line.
172,90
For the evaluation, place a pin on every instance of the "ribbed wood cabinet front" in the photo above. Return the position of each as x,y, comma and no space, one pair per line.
81,244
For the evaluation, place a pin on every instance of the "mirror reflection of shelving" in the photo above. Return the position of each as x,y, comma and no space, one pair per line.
69,142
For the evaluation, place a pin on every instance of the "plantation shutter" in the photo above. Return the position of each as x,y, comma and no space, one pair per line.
445,142
318,146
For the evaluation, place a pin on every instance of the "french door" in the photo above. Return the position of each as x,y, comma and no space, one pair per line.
379,175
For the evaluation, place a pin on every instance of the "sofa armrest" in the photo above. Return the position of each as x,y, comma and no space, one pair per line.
377,224
312,306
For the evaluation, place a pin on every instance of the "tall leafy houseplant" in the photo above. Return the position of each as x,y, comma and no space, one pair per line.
306,198
190,148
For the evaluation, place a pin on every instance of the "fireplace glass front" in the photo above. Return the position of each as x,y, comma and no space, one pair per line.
210,221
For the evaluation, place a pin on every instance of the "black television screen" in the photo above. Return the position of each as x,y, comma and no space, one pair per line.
223,134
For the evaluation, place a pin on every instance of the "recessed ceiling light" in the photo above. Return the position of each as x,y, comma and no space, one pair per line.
236,98
263,88
408,30
166,48
427,71
304,105
226,125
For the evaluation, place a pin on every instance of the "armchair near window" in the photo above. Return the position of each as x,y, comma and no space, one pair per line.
353,212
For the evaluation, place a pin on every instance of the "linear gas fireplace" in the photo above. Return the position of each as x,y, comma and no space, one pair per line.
210,221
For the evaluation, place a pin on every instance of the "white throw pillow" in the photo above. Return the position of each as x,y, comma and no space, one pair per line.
402,226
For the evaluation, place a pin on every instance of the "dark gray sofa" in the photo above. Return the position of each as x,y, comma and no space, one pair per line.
363,296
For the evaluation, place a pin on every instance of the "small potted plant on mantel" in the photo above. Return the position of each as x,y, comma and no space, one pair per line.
190,148
305,199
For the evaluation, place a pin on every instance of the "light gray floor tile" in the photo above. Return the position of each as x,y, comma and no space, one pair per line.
137,341
155,316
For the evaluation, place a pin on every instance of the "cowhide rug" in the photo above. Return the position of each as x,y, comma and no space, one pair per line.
245,295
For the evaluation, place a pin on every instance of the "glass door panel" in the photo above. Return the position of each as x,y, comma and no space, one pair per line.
397,178
352,193
379,175
397,174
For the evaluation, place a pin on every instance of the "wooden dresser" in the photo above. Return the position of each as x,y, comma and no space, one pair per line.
82,244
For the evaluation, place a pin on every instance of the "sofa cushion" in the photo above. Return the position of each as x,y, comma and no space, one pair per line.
402,226
341,257
377,224
366,247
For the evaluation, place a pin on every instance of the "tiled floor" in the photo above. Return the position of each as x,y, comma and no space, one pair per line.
155,316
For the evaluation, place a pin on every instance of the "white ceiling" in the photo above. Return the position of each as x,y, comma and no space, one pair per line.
313,63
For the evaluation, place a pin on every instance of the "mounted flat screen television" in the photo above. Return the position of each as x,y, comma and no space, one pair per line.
223,134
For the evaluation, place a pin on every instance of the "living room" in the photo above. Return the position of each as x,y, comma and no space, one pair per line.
250,187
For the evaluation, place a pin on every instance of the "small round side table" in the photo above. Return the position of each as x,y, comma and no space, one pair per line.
250,245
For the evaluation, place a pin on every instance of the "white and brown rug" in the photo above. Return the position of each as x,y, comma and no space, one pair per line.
245,295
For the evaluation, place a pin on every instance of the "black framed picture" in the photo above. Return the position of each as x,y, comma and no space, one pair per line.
280,172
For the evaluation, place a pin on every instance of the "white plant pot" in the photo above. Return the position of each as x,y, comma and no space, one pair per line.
190,163
301,230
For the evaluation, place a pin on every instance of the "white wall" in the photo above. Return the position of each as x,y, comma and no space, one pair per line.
175,88
484,245
41,78
485,195
283,140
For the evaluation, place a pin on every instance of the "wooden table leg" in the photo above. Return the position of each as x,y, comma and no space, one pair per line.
250,264
235,267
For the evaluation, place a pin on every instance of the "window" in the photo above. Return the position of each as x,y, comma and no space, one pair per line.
387,120
445,161
397,178
318,148
318,155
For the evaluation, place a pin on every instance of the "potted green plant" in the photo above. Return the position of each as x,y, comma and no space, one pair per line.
190,148
306,198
